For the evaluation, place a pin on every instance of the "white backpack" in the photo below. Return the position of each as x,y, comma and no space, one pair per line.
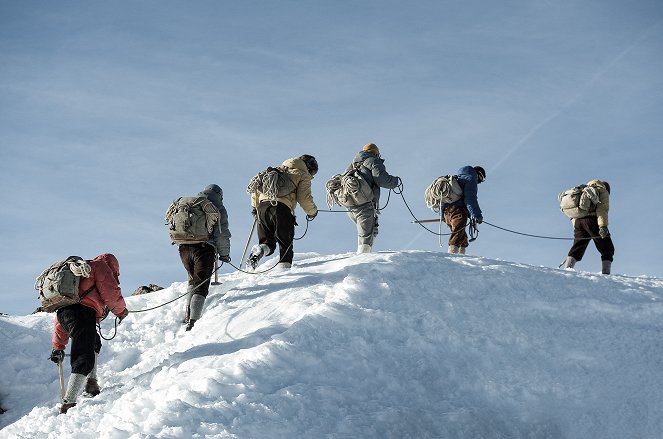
579,201
349,189
443,190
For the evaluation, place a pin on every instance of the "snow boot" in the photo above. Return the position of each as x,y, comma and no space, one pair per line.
605,267
66,406
189,325
187,304
92,387
74,389
569,262
257,252
197,303
284,266
364,248
461,250
453,249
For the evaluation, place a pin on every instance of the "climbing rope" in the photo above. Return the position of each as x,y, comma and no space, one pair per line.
540,236
398,190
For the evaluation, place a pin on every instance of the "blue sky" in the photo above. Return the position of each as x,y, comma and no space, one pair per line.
110,110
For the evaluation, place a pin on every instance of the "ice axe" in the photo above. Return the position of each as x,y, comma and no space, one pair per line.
216,271
248,241
61,379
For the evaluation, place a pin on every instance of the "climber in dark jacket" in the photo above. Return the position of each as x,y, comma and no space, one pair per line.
457,213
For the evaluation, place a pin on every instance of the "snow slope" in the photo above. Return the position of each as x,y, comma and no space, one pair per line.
386,345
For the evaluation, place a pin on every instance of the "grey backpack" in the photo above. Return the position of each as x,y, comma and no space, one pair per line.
443,190
191,220
579,201
349,189
273,183
58,284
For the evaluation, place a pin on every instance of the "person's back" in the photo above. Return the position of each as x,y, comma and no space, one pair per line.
456,214
275,221
593,227
100,290
373,170
199,258
370,165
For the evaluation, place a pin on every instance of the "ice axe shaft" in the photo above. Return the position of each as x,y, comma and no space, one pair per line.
436,220
216,271
248,241
61,379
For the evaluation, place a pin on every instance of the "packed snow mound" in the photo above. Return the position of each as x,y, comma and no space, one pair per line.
384,345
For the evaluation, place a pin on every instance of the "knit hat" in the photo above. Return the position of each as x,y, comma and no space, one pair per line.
607,186
481,173
213,189
311,164
371,147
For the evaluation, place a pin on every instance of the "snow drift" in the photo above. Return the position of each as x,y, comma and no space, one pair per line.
386,345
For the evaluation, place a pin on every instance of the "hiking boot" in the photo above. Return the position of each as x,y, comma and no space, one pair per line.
569,262
257,252
364,248
605,267
92,387
461,250
284,265
190,324
453,249
66,406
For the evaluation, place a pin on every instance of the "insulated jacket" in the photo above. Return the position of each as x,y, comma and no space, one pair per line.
299,175
469,180
105,277
601,212
374,172
220,237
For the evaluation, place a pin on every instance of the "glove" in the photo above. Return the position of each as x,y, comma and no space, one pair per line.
57,356
225,258
603,231
122,315
254,212
478,219
312,217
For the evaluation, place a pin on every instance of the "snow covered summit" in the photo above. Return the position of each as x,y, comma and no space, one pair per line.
385,345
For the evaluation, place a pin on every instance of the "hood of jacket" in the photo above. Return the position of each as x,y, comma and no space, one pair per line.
597,183
296,163
213,193
469,171
112,262
365,155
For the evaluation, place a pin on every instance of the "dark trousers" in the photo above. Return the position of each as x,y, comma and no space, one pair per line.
276,224
80,323
198,260
587,229
456,219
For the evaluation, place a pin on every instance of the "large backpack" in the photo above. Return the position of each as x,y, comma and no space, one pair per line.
579,201
443,190
273,183
58,284
191,220
349,189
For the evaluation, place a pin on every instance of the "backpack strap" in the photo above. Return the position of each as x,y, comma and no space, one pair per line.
89,290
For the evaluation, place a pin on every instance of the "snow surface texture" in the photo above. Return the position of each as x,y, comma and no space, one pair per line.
385,345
